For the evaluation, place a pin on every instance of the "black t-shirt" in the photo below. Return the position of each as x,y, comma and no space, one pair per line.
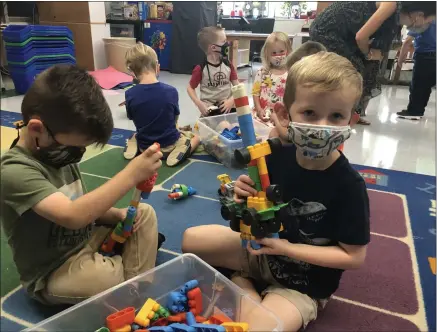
327,207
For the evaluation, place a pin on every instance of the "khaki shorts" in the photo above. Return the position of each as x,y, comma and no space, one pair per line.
257,268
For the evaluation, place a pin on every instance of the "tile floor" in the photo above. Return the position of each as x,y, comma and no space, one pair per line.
388,142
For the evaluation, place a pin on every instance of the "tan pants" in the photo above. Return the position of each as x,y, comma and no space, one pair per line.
88,273
257,268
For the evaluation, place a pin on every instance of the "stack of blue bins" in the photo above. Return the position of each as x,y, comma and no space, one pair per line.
31,49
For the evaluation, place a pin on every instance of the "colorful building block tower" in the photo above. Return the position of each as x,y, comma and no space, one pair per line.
124,228
260,216
179,191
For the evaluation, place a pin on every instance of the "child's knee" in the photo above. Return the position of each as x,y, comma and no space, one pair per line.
188,238
148,214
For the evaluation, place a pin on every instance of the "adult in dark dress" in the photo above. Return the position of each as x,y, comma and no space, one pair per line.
362,31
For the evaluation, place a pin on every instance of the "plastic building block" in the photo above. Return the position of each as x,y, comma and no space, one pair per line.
259,150
135,327
232,134
208,328
160,322
147,312
190,285
200,319
120,318
102,329
177,327
195,301
177,302
126,328
219,319
236,327
191,320
177,318
160,329
179,191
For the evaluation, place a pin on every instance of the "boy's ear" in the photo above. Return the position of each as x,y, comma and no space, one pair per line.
158,69
354,119
281,114
35,126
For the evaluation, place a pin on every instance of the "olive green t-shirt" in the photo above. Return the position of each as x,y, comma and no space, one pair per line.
38,245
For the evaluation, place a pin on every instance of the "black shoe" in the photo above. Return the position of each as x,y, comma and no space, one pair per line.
406,115
161,240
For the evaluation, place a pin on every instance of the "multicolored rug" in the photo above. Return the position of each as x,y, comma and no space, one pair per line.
394,291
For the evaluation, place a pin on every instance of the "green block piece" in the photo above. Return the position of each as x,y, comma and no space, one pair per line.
162,312
253,173
118,230
102,329
184,189
267,214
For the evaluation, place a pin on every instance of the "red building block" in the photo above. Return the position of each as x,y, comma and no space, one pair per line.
195,301
120,318
160,322
200,319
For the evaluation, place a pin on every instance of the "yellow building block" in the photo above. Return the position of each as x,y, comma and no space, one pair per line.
245,232
261,194
259,150
224,178
258,203
146,313
262,166
236,327
432,264
126,328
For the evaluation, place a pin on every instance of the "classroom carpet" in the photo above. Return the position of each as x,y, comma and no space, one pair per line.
394,291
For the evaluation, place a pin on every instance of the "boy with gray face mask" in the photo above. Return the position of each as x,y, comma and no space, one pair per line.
327,231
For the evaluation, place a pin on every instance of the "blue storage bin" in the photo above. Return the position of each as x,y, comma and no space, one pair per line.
19,33
23,77
151,34
37,44
24,55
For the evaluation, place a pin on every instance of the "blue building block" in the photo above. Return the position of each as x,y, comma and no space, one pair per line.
181,328
247,130
161,329
208,328
189,286
177,302
135,327
189,317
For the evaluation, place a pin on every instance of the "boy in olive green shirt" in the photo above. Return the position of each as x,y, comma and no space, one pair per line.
51,223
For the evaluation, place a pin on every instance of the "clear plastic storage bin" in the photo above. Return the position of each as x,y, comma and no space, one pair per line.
220,295
218,146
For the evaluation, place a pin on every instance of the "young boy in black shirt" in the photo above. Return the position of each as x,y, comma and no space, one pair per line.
328,229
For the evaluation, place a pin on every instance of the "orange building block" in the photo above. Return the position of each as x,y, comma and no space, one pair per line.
236,327
195,301
126,328
219,319
178,318
120,318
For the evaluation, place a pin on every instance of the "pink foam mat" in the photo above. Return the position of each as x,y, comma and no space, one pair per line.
110,77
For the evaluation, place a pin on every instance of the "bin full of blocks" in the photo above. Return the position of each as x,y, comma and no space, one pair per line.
183,294
31,49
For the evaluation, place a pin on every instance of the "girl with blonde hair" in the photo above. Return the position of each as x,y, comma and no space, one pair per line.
269,85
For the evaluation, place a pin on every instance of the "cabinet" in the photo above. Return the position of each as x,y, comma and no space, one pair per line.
158,35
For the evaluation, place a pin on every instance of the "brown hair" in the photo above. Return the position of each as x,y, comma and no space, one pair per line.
323,71
207,36
141,58
272,38
68,100
308,48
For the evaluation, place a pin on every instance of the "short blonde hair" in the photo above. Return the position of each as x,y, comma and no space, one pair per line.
308,48
207,36
141,58
323,71
273,38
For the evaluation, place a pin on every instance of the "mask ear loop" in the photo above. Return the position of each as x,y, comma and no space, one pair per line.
18,125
